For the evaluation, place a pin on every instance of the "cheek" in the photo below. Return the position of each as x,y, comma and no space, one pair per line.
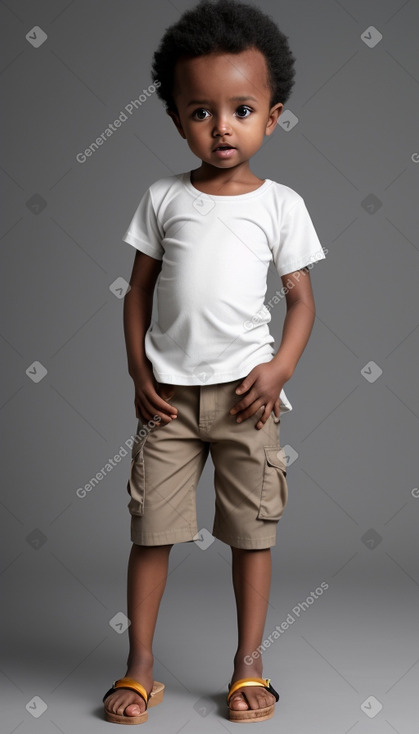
198,137
260,132
194,137
255,136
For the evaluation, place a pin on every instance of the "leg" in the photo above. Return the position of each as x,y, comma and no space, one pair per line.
147,574
252,571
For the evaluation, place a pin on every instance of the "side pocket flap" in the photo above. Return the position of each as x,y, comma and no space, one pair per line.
276,457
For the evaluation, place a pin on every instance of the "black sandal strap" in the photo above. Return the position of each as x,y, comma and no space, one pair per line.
272,690
108,693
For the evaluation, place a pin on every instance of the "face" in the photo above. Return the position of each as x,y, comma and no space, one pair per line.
224,100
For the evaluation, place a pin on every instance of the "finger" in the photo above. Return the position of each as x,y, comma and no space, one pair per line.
246,385
143,414
243,387
245,403
251,410
144,408
264,417
277,411
158,403
157,406
166,408
158,419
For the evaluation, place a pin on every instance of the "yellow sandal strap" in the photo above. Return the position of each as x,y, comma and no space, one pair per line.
133,685
265,682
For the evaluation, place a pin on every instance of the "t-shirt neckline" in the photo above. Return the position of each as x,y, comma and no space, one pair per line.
186,177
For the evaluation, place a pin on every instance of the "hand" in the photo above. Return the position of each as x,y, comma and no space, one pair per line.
150,398
262,386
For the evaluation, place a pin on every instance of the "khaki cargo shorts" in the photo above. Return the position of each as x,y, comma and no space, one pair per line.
167,462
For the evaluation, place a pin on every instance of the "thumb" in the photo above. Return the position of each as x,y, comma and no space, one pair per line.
245,385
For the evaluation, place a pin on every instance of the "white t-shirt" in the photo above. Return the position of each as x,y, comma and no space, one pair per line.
212,324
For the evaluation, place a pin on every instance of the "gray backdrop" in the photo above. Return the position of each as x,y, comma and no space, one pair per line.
67,400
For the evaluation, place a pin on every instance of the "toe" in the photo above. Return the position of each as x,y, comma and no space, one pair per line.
238,702
111,703
259,698
133,709
132,705
125,704
254,698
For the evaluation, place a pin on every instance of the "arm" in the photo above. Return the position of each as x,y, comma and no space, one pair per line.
298,322
264,383
138,305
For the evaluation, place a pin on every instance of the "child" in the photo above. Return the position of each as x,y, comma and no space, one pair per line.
205,374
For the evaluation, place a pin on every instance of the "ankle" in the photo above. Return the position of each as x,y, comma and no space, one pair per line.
246,665
144,659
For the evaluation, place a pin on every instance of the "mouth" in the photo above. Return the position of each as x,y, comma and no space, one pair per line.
224,147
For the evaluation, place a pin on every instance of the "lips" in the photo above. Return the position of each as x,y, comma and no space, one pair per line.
224,147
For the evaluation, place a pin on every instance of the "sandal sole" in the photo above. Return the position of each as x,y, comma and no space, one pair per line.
250,716
156,697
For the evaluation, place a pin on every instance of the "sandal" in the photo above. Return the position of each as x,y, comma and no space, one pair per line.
251,715
151,699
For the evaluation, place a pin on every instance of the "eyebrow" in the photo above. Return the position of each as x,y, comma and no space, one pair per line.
232,99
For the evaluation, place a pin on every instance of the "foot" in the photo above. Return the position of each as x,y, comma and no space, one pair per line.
250,697
130,703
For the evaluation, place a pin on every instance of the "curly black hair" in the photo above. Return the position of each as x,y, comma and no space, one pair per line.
224,26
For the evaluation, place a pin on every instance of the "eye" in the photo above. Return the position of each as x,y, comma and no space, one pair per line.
243,108
197,113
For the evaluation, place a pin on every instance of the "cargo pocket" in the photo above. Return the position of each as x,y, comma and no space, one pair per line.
274,493
136,481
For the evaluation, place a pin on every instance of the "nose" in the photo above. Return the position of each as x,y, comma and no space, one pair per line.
221,126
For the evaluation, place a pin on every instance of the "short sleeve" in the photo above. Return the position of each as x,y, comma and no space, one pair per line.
144,232
298,244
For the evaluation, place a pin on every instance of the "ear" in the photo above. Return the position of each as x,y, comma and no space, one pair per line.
274,114
176,119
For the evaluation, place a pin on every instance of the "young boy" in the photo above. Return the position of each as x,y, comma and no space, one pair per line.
205,374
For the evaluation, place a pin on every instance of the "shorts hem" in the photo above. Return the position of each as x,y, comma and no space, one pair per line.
142,537
245,543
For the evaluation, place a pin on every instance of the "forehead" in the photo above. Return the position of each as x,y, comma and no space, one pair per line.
219,73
